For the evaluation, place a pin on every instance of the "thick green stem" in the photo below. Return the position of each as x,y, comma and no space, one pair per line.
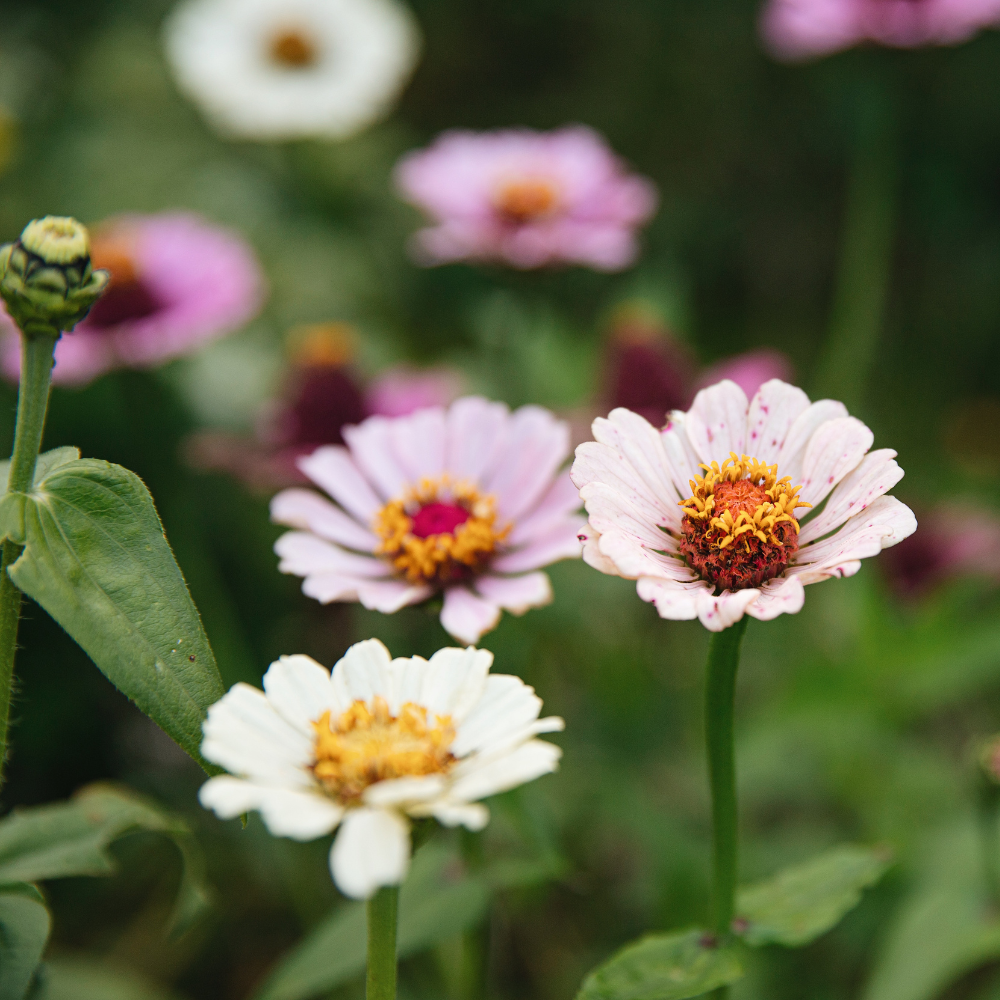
37,350
720,690
382,918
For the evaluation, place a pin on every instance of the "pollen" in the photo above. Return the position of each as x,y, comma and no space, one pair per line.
367,744
439,532
739,528
526,199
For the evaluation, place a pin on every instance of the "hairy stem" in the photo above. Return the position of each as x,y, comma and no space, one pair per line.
382,919
37,350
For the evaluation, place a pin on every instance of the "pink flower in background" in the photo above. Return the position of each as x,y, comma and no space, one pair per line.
399,391
527,199
468,502
176,282
749,370
799,29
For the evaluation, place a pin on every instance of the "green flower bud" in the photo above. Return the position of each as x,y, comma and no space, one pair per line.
46,277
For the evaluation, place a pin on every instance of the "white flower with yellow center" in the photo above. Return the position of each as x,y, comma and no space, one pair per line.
467,502
284,69
734,506
366,748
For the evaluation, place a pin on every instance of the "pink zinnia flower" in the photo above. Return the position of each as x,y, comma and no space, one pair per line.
527,199
468,502
799,29
399,391
176,282
706,513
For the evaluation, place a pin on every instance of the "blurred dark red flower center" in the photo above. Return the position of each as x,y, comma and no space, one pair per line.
438,519
127,297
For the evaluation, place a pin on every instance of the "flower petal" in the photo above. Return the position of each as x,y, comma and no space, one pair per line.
466,616
681,458
773,410
506,705
454,680
529,761
717,421
476,432
300,690
363,672
329,587
673,599
562,499
833,451
781,596
592,555
305,509
301,815
371,444
718,613
805,425
517,594
418,443
560,542
404,792
388,596
371,850
332,468
304,554
471,815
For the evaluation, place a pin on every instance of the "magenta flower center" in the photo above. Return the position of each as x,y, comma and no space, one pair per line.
438,519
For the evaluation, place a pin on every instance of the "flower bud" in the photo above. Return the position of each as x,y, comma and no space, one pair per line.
46,278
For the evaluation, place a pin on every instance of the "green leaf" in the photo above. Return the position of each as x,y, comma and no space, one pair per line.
80,978
805,901
97,560
664,967
72,838
24,929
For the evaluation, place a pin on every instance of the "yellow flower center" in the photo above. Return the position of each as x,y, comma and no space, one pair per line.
526,199
366,745
293,49
739,528
439,532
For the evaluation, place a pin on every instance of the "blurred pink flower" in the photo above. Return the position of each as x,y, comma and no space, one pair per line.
176,282
799,29
399,391
527,199
749,370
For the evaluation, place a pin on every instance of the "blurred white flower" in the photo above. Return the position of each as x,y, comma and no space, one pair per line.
283,69
369,746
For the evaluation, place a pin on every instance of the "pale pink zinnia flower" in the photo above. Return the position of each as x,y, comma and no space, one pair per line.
799,29
176,282
467,501
527,199
705,513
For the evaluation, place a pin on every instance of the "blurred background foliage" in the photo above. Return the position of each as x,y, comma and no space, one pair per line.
855,717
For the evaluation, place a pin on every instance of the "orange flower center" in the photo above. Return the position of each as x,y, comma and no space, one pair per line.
126,298
293,49
439,532
739,528
370,744
526,199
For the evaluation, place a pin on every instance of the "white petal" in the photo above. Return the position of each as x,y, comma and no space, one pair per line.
471,815
517,594
717,421
506,705
407,673
329,587
466,616
454,681
677,601
833,451
371,850
302,815
476,432
300,690
560,542
363,672
418,443
371,448
529,761
562,499
388,596
805,425
304,554
304,509
592,553
773,410
718,613
635,560
681,457
404,792
781,596
332,468
875,476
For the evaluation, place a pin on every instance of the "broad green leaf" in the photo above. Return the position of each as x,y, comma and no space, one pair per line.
24,929
80,978
805,901
72,838
97,560
664,967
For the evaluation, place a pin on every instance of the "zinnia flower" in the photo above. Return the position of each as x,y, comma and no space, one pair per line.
371,745
284,69
706,513
176,282
799,29
527,199
467,502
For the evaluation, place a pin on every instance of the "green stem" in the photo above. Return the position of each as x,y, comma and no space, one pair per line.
720,690
37,350
382,919
989,837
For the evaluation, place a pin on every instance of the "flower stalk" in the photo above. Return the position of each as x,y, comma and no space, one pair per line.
383,916
720,690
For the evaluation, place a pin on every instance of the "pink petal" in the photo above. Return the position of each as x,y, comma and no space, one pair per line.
608,510
563,498
876,475
781,596
773,410
418,443
329,587
561,542
592,555
833,451
805,425
372,450
331,468
476,431
516,594
466,616
304,554
680,454
388,596
717,420
672,599
718,613
307,510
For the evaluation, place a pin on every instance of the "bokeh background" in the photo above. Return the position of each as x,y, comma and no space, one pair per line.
857,718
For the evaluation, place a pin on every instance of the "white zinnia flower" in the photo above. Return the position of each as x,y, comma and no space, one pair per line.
283,69
467,502
369,746
710,501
